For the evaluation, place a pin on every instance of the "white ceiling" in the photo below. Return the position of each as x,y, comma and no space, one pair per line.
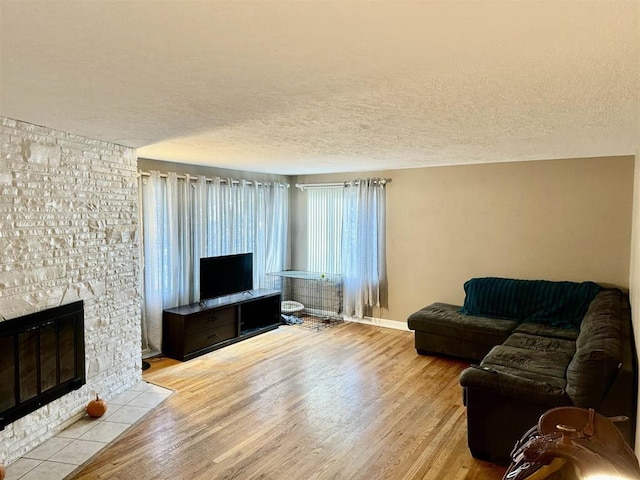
329,86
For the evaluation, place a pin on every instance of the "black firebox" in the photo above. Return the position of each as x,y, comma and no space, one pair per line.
41,359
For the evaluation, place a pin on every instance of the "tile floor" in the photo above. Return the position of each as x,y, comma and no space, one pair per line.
59,456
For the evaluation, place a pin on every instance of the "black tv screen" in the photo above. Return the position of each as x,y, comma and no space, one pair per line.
225,274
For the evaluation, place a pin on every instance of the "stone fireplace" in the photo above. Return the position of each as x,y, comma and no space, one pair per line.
68,235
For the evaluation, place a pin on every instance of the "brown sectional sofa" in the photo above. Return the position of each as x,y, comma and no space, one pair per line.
528,367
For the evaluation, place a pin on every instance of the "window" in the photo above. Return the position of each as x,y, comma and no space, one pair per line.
346,235
324,234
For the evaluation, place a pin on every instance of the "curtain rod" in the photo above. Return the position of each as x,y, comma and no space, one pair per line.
302,186
208,179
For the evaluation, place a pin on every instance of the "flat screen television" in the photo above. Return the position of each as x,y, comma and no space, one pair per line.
225,274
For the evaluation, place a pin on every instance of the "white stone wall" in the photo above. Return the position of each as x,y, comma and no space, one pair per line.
69,231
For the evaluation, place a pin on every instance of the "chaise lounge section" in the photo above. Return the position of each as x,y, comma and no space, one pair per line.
578,351
440,328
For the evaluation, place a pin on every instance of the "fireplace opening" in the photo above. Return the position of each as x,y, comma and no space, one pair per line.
41,359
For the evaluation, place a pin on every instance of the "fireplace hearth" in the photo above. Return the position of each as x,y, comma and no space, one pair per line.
41,359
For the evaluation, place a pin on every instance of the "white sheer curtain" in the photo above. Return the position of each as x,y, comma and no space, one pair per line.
186,219
153,193
363,245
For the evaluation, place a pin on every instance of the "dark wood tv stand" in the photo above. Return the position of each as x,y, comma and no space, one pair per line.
192,330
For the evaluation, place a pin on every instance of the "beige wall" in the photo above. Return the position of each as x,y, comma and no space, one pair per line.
634,276
556,220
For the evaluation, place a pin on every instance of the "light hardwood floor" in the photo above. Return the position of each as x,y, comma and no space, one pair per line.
349,402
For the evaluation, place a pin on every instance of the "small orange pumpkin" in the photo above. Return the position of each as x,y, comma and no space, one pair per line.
97,407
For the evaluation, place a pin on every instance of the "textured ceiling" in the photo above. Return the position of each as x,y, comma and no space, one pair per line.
329,86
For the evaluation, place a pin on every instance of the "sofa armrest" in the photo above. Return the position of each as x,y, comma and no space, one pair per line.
621,398
504,383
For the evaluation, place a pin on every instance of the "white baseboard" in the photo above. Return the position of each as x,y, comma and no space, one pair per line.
379,322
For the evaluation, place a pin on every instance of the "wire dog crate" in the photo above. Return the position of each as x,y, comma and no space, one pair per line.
319,295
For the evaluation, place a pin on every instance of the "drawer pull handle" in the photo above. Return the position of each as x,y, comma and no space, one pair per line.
212,319
212,336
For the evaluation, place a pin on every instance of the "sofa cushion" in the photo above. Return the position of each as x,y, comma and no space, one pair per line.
552,303
542,330
445,320
511,386
598,350
527,367
533,357
563,347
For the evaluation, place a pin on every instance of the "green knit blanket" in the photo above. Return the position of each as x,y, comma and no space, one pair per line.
557,304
